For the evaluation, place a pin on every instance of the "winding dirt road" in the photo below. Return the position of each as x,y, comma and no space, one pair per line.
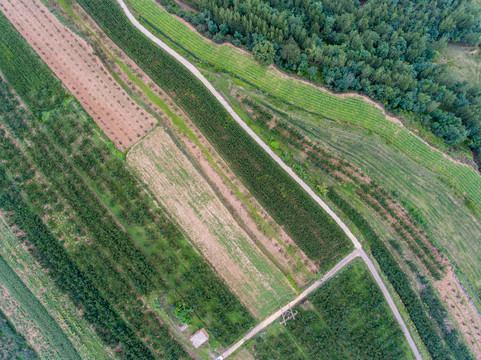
326,208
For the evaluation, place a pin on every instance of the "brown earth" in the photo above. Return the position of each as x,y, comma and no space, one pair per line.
461,311
82,72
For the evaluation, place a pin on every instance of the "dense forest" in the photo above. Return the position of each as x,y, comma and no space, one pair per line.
385,49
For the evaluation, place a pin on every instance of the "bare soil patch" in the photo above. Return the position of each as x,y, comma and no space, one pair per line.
194,205
82,72
461,311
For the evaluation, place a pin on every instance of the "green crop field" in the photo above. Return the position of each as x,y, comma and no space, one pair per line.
350,109
346,318
311,228
86,343
36,312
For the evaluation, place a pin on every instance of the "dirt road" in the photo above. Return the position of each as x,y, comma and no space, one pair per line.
265,323
251,133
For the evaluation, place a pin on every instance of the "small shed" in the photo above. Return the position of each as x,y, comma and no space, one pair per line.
199,338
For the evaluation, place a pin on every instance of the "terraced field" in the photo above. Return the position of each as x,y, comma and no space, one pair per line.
350,109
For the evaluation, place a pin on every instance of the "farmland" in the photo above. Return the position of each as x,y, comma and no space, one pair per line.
82,72
319,166
317,234
449,223
194,205
350,109
17,257
94,189
346,318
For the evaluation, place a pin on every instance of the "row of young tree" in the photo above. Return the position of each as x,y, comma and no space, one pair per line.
385,49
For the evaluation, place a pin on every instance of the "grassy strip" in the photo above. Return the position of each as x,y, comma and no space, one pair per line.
313,230
85,341
425,325
36,312
352,110
347,318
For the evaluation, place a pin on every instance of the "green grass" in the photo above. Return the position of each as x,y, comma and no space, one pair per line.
464,64
347,318
351,110
36,312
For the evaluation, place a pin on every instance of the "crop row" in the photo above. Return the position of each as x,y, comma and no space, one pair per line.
36,88
313,230
36,311
352,110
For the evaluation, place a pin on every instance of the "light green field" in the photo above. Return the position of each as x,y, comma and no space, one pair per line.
350,109
208,223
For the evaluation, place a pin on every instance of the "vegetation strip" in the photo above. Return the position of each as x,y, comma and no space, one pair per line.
37,312
349,109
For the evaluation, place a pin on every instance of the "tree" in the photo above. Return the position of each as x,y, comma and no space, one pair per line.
264,52
291,52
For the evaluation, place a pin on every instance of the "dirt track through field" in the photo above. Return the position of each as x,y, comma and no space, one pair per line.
191,201
81,71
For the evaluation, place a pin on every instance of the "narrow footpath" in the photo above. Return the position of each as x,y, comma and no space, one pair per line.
278,160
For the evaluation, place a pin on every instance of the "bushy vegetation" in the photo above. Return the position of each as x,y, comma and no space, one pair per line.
32,306
347,318
85,182
432,333
36,88
384,49
313,230
13,345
